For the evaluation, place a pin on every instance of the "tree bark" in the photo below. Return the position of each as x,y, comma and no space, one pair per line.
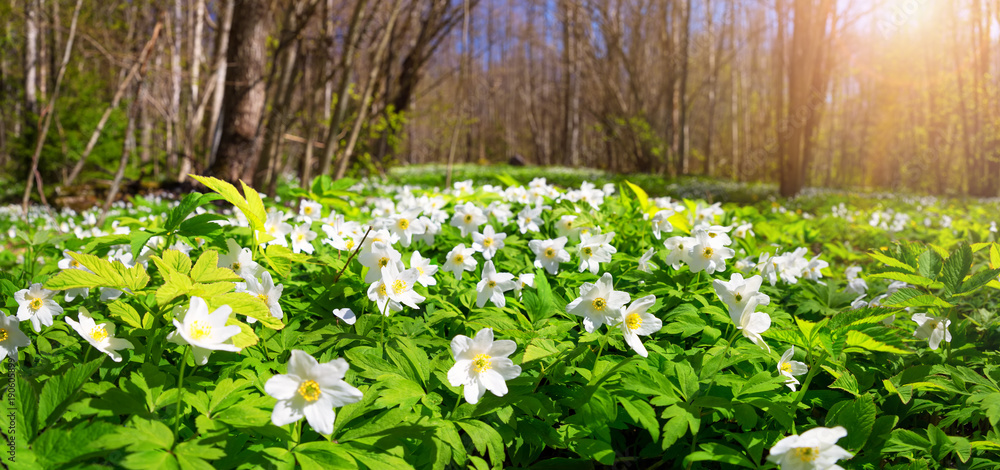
354,30
245,93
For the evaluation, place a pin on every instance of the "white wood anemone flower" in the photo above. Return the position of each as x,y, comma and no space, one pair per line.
11,337
239,259
395,289
459,260
468,218
637,322
523,280
425,268
205,332
302,237
752,323
736,293
100,336
488,242
594,250
790,368
346,314
378,256
708,254
932,328
482,364
36,305
599,303
266,291
815,449
69,263
493,285
661,222
549,253
645,261
312,390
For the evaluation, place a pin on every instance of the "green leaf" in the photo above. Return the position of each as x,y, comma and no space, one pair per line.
126,313
929,264
847,382
643,414
243,303
59,390
187,205
233,196
914,279
507,179
207,270
595,450
641,195
484,437
909,297
893,262
539,348
139,239
978,280
859,340
956,267
858,417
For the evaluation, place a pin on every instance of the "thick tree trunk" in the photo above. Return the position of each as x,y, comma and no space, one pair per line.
219,71
245,93
354,30
31,59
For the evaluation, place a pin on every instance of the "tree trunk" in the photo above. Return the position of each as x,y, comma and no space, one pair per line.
31,60
245,93
354,30
219,70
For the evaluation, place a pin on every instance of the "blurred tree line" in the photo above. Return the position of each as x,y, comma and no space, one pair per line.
890,94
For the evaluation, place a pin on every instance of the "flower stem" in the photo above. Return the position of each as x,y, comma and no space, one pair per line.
457,403
805,386
180,391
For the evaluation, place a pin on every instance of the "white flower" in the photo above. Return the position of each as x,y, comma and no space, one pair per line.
100,336
36,304
488,242
737,292
661,224
528,219
276,227
395,289
310,210
69,263
678,250
752,323
526,279
636,322
815,449
549,253
312,390
565,226
468,218
425,268
812,269
598,303
708,254
459,260
768,267
859,302
346,314
493,285
482,364
645,265
205,332
790,368
855,284
302,236
405,225
11,337
594,250
932,328
378,256
239,259
266,291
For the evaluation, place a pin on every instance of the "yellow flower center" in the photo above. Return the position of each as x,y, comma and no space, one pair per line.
3,335
786,367
482,363
300,237
35,304
74,264
468,218
459,258
527,220
200,330
381,289
350,243
550,252
711,234
487,242
491,284
569,224
309,390
308,210
806,454
932,324
263,298
383,262
403,224
739,297
236,266
708,252
420,270
599,304
588,251
633,321
99,333
398,286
